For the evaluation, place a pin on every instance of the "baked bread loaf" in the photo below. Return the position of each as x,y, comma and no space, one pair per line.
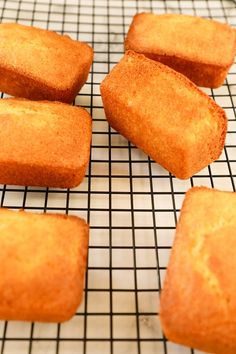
40,64
164,114
198,303
43,260
201,49
43,143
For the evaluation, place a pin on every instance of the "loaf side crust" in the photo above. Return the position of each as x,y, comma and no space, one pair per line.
204,75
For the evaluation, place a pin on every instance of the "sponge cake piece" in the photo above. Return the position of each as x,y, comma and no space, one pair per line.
164,114
43,143
43,260
198,302
40,64
199,48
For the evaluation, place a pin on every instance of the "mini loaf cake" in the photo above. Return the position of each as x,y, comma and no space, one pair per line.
198,303
164,114
40,64
43,143
201,49
43,261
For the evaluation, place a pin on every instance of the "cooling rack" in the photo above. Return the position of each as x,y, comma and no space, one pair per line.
131,203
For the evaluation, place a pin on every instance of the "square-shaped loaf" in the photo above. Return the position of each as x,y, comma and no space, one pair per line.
199,48
42,65
43,143
43,260
198,304
164,114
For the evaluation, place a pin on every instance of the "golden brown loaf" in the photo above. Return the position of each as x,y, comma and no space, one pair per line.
43,259
164,114
201,49
198,304
40,64
43,143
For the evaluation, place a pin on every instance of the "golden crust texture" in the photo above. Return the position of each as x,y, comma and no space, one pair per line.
201,49
43,143
43,260
40,64
198,304
164,114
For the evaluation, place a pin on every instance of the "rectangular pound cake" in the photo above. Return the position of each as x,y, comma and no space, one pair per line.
40,64
164,114
201,49
43,143
198,304
43,260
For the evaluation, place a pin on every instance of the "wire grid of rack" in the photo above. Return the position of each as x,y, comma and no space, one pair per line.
131,203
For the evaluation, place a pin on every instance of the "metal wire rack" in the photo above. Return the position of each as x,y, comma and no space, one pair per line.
131,203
